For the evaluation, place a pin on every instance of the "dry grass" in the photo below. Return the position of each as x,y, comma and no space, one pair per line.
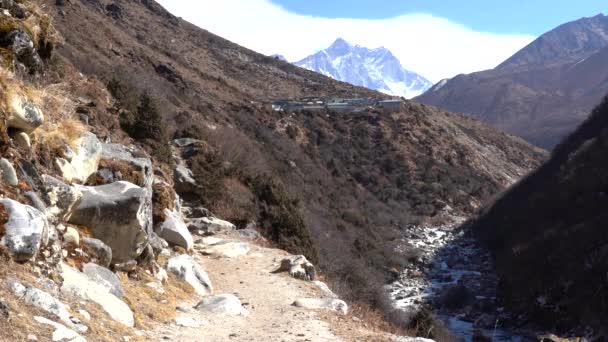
149,306
18,327
129,172
163,198
56,135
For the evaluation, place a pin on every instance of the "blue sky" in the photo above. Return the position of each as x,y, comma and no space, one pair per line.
499,16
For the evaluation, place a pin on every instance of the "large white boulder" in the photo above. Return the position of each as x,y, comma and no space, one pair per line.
84,159
332,304
188,270
175,231
117,215
25,232
224,304
79,285
134,161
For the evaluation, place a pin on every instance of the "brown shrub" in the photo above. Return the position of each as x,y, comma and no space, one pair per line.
281,218
163,196
128,171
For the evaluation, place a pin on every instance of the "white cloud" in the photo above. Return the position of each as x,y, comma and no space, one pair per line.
433,47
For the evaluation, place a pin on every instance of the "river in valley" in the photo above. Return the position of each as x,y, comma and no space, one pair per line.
454,276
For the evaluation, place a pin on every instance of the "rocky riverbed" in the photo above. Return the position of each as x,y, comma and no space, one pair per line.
454,276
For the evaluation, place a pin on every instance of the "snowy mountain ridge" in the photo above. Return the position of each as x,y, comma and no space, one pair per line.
376,69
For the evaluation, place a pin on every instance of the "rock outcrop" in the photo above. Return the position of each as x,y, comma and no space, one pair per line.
62,198
82,161
117,215
26,230
79,285
46,302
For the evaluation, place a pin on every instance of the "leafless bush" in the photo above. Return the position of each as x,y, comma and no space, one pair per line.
239,151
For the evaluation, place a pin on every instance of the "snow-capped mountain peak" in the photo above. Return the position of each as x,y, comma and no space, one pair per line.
376,69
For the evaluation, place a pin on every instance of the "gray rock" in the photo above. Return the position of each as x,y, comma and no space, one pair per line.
63,198
15,9
224,304
210,225
186,269
157,243
117,215
249,234
25,232
46,302
175,231
23,114
71,236
61,333
185,142
85,160
325,290
104,277
5,311
298,267
226,249
99,251
332,304
8,172
25,52
140,163
78,285
126,267
184,178
35,201
23,141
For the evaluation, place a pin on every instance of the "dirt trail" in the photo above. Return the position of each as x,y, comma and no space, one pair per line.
268,297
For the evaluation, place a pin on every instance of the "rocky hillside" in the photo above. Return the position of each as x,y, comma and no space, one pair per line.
126,131
376,69
543,92
313,182
549,238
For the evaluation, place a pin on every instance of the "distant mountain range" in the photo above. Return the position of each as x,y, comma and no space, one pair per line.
376,69
544,91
